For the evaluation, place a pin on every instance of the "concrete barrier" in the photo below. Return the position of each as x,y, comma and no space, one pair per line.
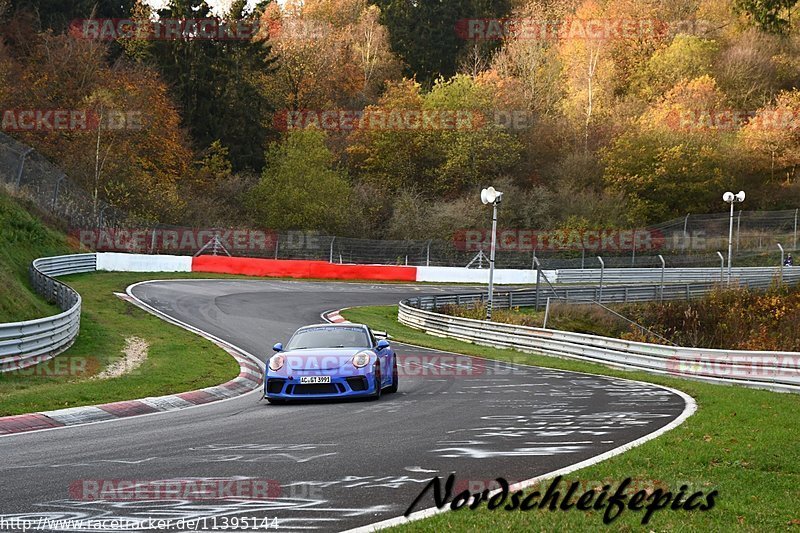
116,262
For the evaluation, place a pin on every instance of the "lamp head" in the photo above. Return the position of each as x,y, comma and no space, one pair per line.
740,196
728,197
490,195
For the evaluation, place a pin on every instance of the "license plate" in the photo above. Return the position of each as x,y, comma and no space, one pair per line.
314,379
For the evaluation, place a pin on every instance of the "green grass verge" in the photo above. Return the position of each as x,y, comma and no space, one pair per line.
178,361
23,238
742,442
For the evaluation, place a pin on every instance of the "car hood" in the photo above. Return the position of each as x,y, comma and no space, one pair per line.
320,358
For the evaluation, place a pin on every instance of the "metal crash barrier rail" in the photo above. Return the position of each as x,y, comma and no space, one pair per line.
27,343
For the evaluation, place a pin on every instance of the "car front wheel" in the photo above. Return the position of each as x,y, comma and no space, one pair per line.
378,378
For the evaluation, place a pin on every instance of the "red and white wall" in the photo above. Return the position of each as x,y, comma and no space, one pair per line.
300,269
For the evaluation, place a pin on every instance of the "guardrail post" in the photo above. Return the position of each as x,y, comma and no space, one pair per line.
510,300
602,271
781,278
663,268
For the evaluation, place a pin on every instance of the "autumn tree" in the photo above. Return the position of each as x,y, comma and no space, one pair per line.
673,161
772,138
770,16
301,187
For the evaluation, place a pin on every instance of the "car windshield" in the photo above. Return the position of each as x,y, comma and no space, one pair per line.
329,337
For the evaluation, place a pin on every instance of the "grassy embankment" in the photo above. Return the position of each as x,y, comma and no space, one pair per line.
177,360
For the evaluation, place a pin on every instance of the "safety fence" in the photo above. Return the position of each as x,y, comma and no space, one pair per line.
778,371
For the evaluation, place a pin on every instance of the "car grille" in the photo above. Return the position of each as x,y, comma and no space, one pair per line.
357,383
275,386
316,388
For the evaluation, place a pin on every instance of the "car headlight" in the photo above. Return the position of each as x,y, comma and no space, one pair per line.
276,362
361,359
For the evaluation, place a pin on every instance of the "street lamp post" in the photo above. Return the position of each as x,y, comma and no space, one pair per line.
494,197
731,199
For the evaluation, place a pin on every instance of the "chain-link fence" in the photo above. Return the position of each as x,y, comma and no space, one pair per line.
693,240
27,174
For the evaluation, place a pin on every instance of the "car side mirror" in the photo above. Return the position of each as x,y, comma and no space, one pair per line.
382,344
278,347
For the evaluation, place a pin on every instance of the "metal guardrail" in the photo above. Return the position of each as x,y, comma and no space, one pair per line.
671,275
779,371
634,292
24,344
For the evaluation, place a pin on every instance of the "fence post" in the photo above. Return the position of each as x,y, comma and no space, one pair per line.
738,223
663,268
794,246
602,271
721,266
546,313
153,241
685,232
781,248
538,282
277,243
55,193
22,167
428,255
331,255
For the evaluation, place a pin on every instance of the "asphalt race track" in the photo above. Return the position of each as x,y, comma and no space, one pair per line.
338,465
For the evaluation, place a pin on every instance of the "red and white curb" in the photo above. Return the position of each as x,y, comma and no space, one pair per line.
250,378
334,317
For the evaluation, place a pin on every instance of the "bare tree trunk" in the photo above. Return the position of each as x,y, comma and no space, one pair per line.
594,55
96,190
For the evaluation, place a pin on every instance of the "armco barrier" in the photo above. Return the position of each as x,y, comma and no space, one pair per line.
301,269
671,275
778,371
23,344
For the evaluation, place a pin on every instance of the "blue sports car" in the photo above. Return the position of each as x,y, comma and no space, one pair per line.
331,361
